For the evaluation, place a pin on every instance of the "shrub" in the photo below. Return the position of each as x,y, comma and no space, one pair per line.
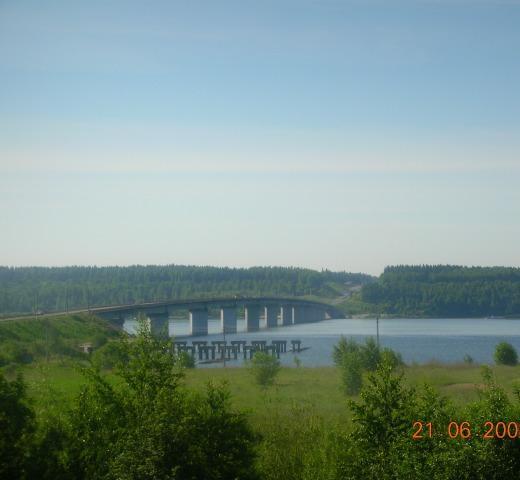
370,354
391,358
344,346
505,354
16,427
264,368
17,352
468,359
186,360
98,340
296,445
351,373
109,355
3,360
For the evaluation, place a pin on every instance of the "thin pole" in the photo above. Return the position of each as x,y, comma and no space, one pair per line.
47,340
377,330
224,334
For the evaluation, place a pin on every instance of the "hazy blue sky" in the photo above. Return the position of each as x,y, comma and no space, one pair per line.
335,134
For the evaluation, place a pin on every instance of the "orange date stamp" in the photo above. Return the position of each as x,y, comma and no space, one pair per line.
465,431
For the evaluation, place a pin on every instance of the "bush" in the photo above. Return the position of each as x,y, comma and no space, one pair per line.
16,427
370,354
3,360
110,355
17,352
343,347
264,368
98,340
351,373
353,358
391,357
186,360
296,445
505,354
468,359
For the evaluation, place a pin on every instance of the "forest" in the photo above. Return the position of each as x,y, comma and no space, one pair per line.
445,290
422,290
51,289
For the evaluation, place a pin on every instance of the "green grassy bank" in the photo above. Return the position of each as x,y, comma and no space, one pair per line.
317,390
31,339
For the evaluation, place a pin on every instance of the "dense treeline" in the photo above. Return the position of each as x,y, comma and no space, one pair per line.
28,289
446,290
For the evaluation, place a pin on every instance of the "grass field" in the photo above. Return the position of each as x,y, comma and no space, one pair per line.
317,390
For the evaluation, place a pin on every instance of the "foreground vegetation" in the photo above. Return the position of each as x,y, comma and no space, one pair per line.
319,388
304,426
133,410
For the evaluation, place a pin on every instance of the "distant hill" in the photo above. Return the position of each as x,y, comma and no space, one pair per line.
49,289
445,290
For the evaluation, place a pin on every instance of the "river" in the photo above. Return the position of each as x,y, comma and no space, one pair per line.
418,340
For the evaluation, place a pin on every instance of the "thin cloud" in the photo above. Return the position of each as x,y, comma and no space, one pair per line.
187,163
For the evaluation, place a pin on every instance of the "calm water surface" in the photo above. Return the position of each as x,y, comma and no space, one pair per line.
418,340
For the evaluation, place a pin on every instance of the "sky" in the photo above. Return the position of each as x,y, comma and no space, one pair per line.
347,135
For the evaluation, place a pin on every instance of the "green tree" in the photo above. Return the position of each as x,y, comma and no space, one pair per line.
17,425
505,354
264,368
380,445
384,407
148,425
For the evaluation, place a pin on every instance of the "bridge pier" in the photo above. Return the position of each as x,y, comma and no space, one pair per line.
159,324
198,321
319,315
287,314
252,317
291,310
271,316
299,314
228,319
239,344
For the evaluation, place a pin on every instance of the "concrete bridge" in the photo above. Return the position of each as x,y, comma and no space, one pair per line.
275,311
